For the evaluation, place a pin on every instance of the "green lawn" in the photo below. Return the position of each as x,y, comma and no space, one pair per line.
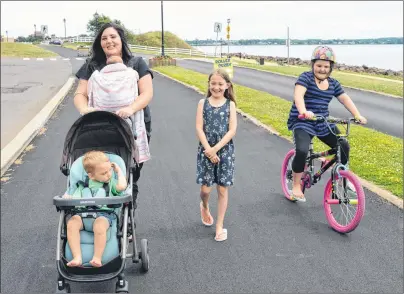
24,50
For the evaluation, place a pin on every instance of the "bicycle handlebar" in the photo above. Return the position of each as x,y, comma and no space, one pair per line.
328,120
336,120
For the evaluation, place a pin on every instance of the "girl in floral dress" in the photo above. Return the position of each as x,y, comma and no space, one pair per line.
216,124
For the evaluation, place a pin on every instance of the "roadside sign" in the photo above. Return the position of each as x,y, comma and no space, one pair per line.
218,27
44,29
224,63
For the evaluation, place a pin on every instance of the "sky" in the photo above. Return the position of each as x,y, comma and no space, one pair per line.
195,19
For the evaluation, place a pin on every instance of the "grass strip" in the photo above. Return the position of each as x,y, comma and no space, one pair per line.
24,50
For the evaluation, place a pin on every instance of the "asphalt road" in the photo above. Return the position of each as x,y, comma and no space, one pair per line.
273,246
26,87
384,113
76,61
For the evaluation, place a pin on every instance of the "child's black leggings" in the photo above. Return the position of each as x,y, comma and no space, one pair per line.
302,141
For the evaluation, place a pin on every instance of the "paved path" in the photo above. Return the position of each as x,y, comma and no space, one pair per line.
26,87
274,245
384,113
67,54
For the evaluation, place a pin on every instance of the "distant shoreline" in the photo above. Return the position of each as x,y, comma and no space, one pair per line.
337,66
209,45
296,42
385,57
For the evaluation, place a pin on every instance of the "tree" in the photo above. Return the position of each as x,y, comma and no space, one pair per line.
20,39
119,23
128,33
94,24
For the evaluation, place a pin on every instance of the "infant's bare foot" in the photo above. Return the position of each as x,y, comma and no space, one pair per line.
75,262
96,262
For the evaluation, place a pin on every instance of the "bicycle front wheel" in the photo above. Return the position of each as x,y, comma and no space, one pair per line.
345,207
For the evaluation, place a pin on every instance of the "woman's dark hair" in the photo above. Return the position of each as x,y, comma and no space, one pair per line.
98,57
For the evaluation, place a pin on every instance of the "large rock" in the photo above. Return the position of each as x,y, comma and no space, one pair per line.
338,66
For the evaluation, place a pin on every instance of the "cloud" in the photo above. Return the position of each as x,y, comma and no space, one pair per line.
195,19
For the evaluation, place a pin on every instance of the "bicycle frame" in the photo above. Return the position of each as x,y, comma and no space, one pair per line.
311,177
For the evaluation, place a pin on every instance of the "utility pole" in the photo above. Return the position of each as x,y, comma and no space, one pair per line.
228,36
288,44
162,30
221,44
217,37
35,30
64,20
7,35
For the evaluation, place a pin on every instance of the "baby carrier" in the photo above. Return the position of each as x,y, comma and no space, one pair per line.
107,132
114,87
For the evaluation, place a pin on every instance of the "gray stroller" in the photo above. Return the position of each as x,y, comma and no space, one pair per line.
107,132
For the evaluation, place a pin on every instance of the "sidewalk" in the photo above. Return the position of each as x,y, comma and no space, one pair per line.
26,87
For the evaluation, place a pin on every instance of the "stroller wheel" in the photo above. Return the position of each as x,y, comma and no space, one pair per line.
120,289
66,289
144,254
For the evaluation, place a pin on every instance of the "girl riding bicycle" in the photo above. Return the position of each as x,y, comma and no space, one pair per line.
313,92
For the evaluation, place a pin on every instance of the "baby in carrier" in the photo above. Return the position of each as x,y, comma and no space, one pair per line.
113,88
101,183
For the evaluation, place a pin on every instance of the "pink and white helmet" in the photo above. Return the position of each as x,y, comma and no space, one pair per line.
323,53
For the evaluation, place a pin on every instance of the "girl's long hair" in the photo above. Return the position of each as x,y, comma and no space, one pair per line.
98,58
229,93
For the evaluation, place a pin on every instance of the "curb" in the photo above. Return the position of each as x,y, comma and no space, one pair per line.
393,199
13,149
291,76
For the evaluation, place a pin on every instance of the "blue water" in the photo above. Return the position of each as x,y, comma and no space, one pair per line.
380,56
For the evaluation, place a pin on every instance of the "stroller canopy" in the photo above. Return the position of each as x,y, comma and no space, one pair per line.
99,130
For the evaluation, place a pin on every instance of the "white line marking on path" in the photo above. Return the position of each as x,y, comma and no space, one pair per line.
26,58
39,59
79,58
66,58
53,59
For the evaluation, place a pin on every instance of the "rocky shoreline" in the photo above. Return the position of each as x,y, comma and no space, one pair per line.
338,66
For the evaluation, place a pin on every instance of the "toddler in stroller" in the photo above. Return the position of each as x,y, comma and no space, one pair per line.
101,183
106,132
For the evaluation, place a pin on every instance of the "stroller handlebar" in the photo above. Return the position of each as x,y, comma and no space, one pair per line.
58,201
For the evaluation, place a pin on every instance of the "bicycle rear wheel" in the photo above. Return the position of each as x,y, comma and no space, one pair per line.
344,210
